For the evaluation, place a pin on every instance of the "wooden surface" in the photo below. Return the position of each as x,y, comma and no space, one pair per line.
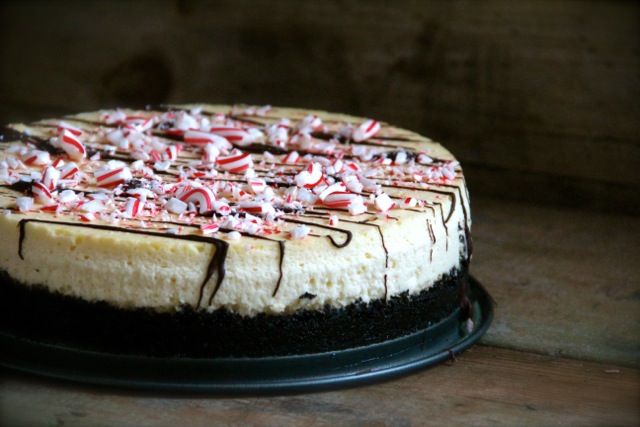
563,350
539,100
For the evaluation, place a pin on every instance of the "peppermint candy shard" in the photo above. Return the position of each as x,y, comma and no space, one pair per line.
176,206
111,178
41,193
133,207
24,204
50,177
69,171
235,163
201,197
73,129
366,130
310,177
232,134
207,229
384,203
37,158
198,137
71,145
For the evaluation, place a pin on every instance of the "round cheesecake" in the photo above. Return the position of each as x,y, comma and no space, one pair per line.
217,231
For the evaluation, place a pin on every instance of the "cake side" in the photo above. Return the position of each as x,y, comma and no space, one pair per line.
248,210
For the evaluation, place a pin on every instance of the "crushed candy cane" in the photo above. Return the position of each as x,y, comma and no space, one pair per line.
233,173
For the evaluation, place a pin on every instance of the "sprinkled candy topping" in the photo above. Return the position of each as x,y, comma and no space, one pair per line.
248,170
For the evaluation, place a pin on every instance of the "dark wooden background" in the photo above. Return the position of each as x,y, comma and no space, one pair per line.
540,100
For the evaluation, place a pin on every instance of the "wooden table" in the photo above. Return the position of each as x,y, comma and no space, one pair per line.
564,348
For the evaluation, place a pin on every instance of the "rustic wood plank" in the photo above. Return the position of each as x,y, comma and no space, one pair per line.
566,282
483,386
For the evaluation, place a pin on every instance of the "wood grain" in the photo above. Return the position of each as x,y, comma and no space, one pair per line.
483,386
565,282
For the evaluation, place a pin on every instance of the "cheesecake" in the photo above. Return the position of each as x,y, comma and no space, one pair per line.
227,231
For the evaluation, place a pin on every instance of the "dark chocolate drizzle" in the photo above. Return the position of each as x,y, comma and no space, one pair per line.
8,134
281,246
21,186
328,227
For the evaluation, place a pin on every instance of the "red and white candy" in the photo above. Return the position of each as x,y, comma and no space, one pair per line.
299,232
233,134
408,202
291,157
198,137
176,206
201,197
309,124
256,208
237,162
310,177
106,178
50,177
340,199
37,158
133,207
73,129
384,203
257,185
71,145
207,229
366,130
41,193
69,171
338,187
221,208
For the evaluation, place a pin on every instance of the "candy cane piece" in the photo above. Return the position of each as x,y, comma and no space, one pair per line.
221,208
50,177
235,163
209,228
256,208
74,130
69,171
37,158
232,134
112,178
339,199
133,207
198,137
291,157
357,206
299,232
71,145
408,202
366,130
384,203
202,197
176,206
338,187
41,193
257,185
310,177
309,124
